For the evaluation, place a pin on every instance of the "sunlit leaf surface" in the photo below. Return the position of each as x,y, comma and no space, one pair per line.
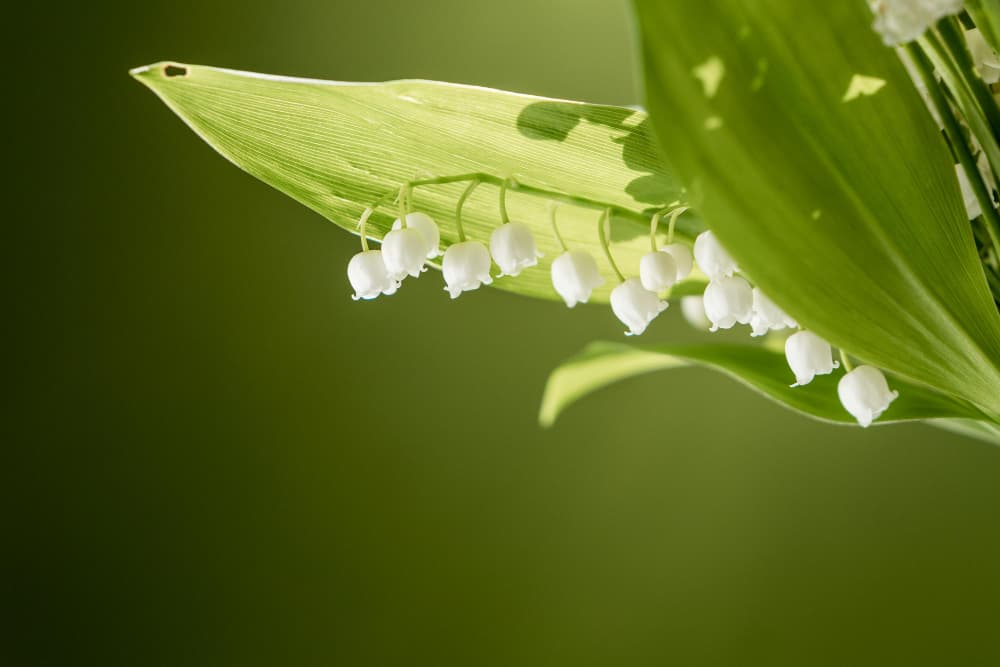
338,147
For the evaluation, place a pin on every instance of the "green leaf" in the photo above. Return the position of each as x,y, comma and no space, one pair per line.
817,165
762,369
986,14
338,147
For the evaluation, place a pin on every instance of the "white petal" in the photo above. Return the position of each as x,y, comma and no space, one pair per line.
728,301
368,276
575,276
682,258
808,355
465,266
657,271
865,394
513,248
635,305
712,258
424,224
404,252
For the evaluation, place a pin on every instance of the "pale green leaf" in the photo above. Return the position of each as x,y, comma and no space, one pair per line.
762,369
338,147
844,208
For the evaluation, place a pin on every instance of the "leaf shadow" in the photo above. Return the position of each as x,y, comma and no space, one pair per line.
554,121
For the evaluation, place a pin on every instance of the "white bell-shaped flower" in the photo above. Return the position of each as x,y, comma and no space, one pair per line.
865,394
635,305
683,258
657,271
368,275
575,276
465,266
513,248
767,316
808,355
901,21
712,258
424,224
986,60
404,251
728,301
693,310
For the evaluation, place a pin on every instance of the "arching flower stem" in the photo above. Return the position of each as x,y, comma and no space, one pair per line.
362,223
674,214
555,228
504,218
653,224
458,209
845,361
603,232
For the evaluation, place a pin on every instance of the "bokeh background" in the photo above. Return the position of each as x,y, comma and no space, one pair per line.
216,457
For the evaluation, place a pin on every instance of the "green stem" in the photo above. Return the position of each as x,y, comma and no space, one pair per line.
845,362
953,37
583,202
676,213
555,227
362,223
959,86
603,232
458,209
504,218
653,224
961,149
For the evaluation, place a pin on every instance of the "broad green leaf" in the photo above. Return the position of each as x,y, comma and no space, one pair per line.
339,147
986,14
808,151
762,369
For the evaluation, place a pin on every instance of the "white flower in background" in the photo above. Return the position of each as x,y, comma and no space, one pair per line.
986,60
513,248
901,21
657,271
465,266
635,305
682,258
404,251
767,316
712,258
808,355
424,224
972,208
693,310
865,394
728,301
575,276
368,276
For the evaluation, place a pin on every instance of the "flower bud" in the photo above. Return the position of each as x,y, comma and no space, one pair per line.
657,271
728,301
900,21
693,310
404,251
465,266
574,276
368,276
865,394
424,224
635,305
808,355
712,258
767,316
983,56
513,248
682,258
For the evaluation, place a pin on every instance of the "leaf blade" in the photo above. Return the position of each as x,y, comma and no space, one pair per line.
337,147
845,210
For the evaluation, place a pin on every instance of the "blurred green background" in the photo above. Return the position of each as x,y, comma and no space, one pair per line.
218,458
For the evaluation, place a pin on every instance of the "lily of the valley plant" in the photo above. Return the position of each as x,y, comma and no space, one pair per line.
820,175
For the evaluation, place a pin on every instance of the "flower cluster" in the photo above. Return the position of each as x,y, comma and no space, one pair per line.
729,300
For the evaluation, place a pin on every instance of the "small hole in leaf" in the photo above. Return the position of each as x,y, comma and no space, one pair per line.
171,71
